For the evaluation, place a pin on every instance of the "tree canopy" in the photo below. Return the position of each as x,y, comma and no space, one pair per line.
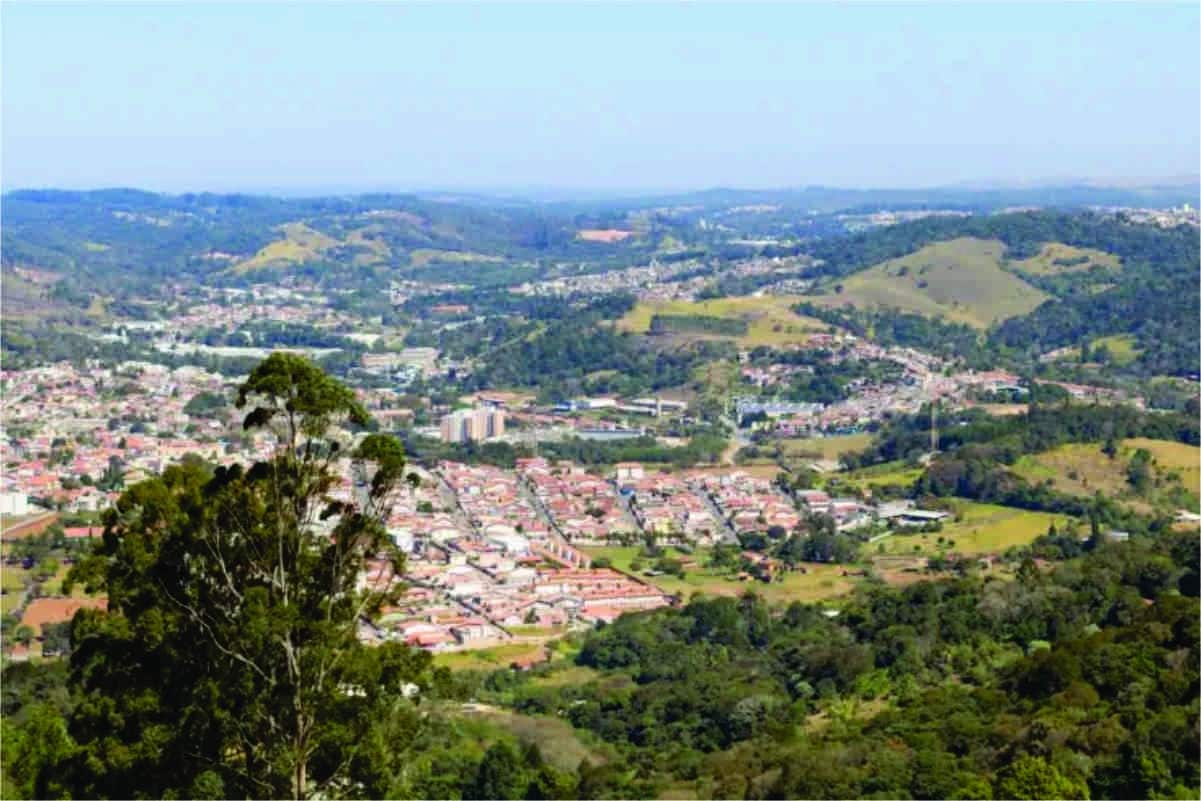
227,662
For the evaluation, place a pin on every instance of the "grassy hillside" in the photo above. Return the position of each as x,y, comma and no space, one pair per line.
1173,457
979,528
422,257
769,320
1122,348
818,582
1082,469
960,280
300,244
1056,258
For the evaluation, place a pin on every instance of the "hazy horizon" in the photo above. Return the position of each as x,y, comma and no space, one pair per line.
626,99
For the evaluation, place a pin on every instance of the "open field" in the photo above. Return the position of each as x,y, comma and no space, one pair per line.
984,528
961,280
881,474
818,583
606,235
1076,468
487,658
825,447
1070,259
568,675
54,584
9,602
1083,469
368,239
13,578
423,256
768,471
770,320
1002,409
1173,457
899,569
1122,348
300,244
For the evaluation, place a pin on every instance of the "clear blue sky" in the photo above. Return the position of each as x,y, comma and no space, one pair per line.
307,97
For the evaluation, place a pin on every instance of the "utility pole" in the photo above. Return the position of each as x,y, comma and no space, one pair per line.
933,426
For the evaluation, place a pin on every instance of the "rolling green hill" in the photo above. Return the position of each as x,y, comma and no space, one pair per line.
963,280
1056,258
300,244
765,320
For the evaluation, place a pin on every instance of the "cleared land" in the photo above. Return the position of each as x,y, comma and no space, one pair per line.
961,280
606,235
1173,457
825,447
424,256
300,244
1076,468
488,658
818,583
1122,348
371,244
881,474
1056,258
1083,469
769,320
982,528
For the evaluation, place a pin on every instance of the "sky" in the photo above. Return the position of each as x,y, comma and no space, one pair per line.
307,97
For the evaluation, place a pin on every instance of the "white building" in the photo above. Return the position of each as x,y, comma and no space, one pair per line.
477,424
14,503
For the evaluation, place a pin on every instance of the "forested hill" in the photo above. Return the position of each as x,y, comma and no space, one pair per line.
1023,234
114,238
1153,294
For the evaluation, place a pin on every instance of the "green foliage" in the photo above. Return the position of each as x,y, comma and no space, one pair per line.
1032,777
1155,296
205,404
1041,428
229,651
1061,684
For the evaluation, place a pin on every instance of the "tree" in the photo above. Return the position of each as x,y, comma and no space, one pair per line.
229,651
500,774
113,477
31,751
1110,448
1138,472
1033,777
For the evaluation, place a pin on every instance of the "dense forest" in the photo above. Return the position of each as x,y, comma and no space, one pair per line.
1075,680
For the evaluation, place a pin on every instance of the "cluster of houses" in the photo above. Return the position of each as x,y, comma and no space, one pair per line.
584,508
489,568
747,502
665,505
921,380
494,503
65,427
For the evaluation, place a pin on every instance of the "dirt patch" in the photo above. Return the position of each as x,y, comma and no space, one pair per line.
606,235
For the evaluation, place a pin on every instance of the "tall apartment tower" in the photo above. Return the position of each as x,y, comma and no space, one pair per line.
481,423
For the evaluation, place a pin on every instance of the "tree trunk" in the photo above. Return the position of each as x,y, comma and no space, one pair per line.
298,777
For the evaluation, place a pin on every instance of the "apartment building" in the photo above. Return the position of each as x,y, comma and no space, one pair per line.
480,423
